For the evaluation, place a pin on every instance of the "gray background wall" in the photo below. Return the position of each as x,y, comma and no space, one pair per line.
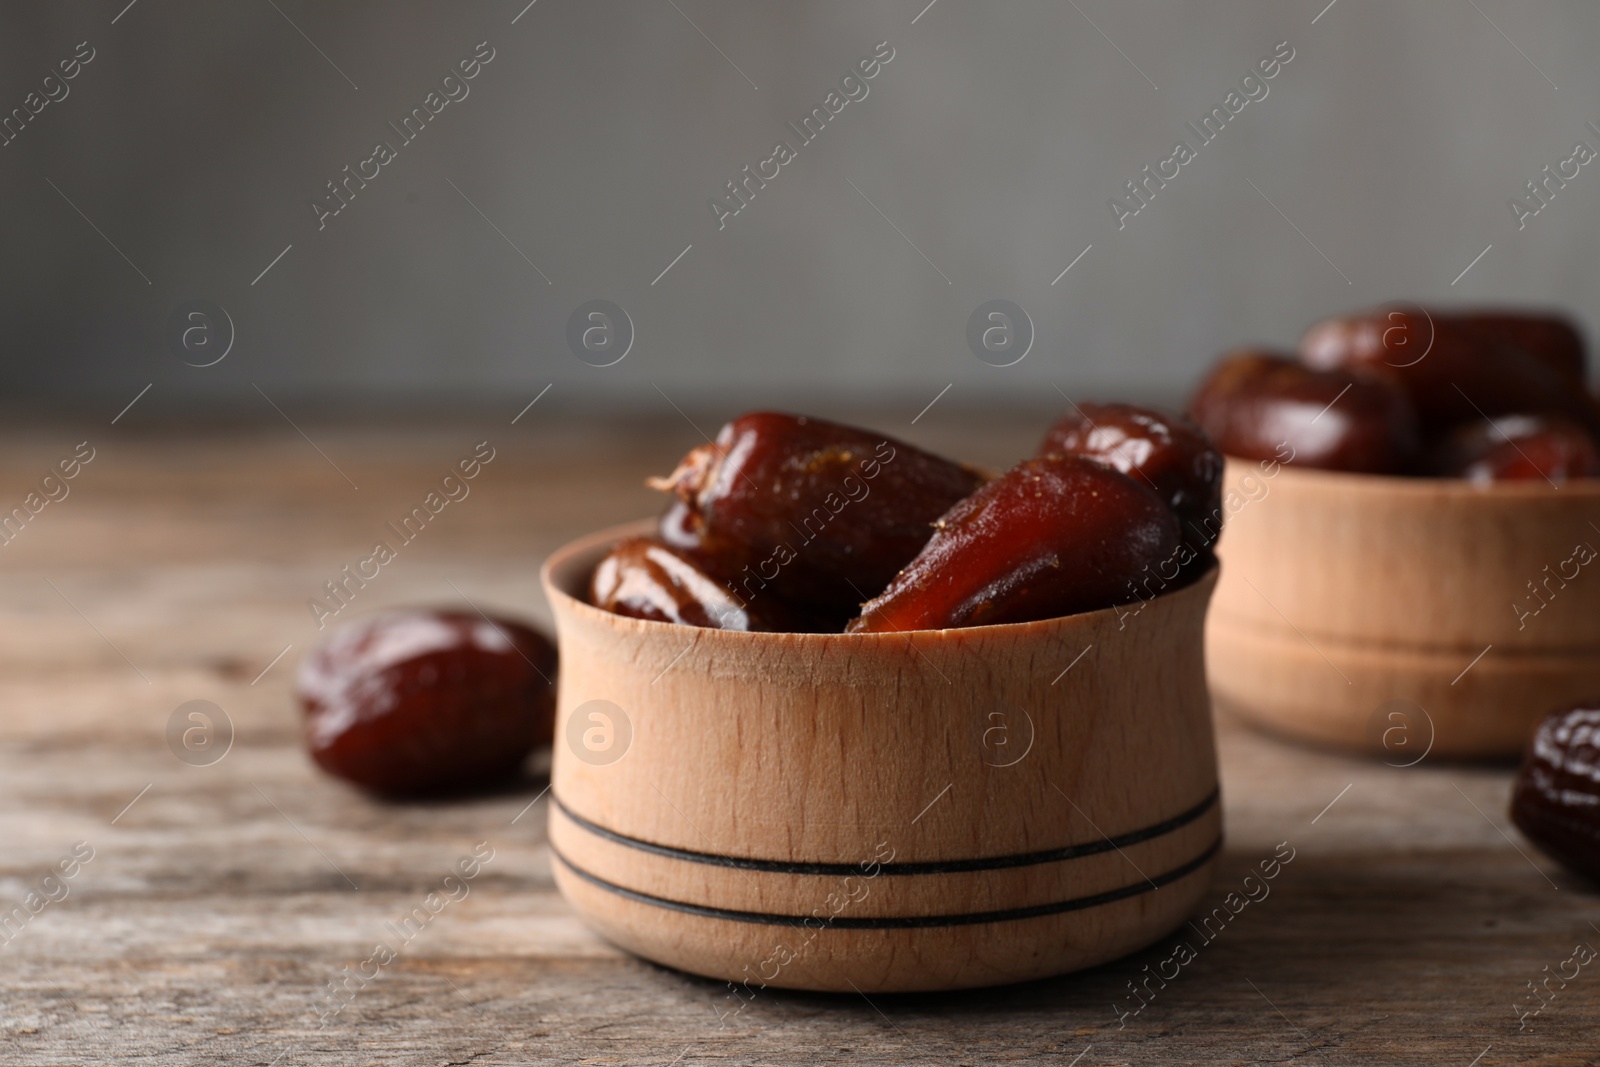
199,134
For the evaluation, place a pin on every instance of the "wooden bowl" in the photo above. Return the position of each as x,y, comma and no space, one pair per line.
1390,613
881,812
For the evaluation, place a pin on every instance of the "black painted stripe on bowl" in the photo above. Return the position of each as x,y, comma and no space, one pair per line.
982,863
901,922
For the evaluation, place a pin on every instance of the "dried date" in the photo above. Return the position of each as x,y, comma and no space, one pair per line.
418,701
1459,368
1055,535
1256,405
1515,448
811,511
1168,453
1556,797
646,579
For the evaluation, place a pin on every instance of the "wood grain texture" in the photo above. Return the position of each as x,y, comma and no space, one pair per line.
1341,593
213,916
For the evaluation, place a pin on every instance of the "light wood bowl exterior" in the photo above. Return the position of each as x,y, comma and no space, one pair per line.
884,812
1342,592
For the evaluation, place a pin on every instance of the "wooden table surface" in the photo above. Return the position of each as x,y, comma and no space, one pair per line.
221,900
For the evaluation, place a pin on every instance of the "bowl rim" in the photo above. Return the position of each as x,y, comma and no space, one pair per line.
1420,487
571,551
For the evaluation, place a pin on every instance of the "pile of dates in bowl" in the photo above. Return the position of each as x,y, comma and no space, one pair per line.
1484,396
790,523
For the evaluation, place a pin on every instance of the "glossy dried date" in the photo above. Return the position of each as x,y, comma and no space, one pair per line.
1055,535
1458,368
418,701
807,510
1168,453
1556,798
1256,405
646,579
1514,448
